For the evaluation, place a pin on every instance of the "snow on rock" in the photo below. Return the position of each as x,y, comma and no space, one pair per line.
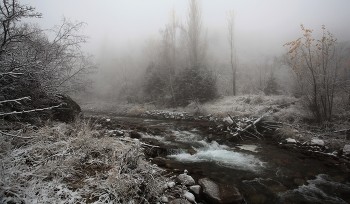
228,120
164,199
185,179
171,184
108,120
291,141
61,128
317,142
346,149
189,196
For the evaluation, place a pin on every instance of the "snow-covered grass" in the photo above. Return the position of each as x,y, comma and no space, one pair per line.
118,108
240,106
63,163
252,106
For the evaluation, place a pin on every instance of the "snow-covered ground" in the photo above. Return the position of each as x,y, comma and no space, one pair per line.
62,163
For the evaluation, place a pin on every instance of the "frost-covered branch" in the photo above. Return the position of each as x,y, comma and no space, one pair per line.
30,111
11,74
17,100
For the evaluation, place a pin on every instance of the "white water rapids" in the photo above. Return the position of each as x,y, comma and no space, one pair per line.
221,155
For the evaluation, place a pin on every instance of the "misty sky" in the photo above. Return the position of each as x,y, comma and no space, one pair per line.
262,26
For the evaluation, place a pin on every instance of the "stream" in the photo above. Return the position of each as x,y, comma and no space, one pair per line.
262,171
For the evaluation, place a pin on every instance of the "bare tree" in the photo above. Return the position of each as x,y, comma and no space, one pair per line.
233,57
169,52
194,31
315,63
32,65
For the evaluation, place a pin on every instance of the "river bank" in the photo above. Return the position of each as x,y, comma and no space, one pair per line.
111,159
295,128
184,145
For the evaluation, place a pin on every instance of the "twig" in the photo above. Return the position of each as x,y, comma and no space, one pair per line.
344,130
15,100
143,144
30,111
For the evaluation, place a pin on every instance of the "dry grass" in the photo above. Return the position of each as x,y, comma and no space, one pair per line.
73,164
240,106
252,106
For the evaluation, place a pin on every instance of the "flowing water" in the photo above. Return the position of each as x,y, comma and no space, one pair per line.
262,171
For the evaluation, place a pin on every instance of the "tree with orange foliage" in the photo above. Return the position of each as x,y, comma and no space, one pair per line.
315,63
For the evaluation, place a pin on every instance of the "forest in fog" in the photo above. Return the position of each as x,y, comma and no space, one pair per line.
182,62
187,63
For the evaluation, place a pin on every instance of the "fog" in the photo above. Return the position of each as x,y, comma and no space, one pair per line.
120,31
261,26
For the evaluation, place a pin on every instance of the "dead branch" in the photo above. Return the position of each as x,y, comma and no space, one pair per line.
142,144
252,125
30,111
344,130
238,133
15,100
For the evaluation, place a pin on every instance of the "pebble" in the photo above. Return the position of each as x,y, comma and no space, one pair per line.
185,179
290,140
189,196
346,149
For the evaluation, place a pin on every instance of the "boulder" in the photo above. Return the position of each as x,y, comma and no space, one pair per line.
134,134
210,189
185,179
223,194
69,110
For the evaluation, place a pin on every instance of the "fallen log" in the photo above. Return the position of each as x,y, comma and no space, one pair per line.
239,132
251,126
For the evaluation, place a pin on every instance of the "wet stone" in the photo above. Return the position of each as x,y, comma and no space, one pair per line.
220,194
196,189
299,181
134,134
189,196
